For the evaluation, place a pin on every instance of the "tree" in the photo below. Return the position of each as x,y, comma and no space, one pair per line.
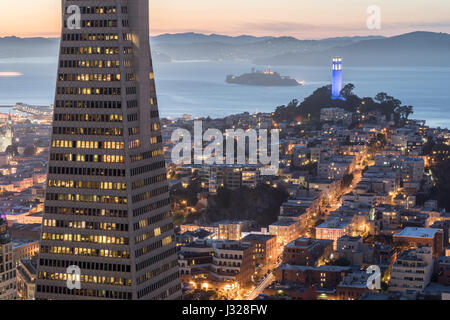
347,180
321,98
189,193
442,189
289,112
12,150
29,151
341,261
347,91
381,97
261,204
408,111
404,111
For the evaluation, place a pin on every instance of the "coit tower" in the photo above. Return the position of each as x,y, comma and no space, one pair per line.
337,79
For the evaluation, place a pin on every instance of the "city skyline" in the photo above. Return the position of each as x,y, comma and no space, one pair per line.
203,169
306,20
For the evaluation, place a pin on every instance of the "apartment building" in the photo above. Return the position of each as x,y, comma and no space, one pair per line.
412,270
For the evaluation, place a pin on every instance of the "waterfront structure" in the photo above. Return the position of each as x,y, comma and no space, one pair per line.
107,203
337,84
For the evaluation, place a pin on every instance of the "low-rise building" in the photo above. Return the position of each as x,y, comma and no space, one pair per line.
264,248
335,115
232,262
352,286
412,270
7,265
220,261
212,228
24,249
285,231
323,276
307,252
333,229
26,279
232,230
416,237
294,291
442,270
355,250
191,236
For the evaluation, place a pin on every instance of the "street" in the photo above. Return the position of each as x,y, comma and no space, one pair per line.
260,288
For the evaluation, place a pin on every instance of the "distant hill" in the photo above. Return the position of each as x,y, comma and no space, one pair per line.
355,38
194,46
13,47
191,37
189,46
416,48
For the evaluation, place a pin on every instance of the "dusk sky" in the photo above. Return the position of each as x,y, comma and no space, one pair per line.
305,19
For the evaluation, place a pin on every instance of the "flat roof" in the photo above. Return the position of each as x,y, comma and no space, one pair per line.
258,237
285,223
17,243
321,268
417,232
304,242
334,224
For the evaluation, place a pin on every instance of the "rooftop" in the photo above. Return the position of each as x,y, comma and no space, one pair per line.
334,224
309,268
413,232
283,223
258,237
17,243
305,242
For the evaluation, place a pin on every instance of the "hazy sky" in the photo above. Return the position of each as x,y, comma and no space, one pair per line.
306,19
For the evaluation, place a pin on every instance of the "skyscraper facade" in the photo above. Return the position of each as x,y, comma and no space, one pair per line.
107,211
7,266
